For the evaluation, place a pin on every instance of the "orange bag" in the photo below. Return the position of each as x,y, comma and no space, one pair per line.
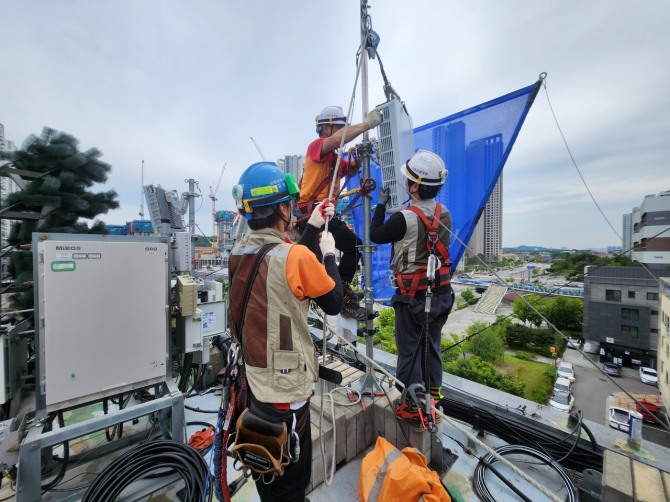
388,474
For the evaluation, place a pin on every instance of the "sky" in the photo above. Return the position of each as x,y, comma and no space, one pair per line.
185,85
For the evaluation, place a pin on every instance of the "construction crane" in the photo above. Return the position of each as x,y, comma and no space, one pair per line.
212,195
258,148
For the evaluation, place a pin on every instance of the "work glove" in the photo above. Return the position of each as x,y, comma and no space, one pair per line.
327,244
384,196
348,169
322,212
374,118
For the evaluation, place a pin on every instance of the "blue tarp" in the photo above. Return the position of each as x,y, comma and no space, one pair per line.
474,144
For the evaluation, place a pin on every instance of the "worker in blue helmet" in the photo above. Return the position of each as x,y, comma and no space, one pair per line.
272,283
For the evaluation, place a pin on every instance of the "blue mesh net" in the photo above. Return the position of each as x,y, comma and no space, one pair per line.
474,144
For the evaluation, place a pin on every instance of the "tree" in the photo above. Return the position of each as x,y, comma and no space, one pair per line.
565,313
451,351
469,297
527,313
485,342
61,194
385,336
572,264
485,373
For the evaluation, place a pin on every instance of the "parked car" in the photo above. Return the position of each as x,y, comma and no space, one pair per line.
562,385
612,369
565,370
574,343
648,375
562,401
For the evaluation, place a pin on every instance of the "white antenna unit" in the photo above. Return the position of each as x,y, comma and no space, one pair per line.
165,207
396,146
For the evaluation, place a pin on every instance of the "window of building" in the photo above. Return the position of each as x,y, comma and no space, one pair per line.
631,294
614,295
630,314
630,331
653,330
654,312
652,296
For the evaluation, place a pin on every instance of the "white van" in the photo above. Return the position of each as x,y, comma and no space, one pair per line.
565,371
563,385
618,418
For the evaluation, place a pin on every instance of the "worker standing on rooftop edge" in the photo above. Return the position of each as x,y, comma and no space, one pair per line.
417,232
320,161
271,285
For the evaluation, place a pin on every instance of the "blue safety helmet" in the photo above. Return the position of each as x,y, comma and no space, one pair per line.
263,184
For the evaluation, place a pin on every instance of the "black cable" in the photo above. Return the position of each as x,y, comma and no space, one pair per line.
146,459
483,461
479,480
117,430
576,455
198,410
66,456
185,371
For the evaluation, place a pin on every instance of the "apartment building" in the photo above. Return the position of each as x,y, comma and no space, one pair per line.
621,311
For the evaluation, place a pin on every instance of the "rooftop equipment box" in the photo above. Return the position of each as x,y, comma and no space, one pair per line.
102,303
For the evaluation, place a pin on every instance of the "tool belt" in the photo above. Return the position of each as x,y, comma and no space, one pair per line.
261,446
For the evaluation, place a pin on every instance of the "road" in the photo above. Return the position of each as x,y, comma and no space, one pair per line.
592,387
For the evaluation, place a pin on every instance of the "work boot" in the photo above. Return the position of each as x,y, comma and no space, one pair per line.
437,397
354,312
349,296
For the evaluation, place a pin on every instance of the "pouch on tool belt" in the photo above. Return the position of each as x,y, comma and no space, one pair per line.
261,445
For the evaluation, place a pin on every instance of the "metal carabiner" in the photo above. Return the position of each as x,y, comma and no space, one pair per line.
233,354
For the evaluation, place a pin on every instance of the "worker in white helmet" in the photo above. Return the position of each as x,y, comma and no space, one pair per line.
417,233
320,161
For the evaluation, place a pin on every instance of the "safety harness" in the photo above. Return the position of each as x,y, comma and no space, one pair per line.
235,394
416,397
409,284
304,209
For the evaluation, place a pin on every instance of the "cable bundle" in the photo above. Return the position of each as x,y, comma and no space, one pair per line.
568,449
486,461
159,455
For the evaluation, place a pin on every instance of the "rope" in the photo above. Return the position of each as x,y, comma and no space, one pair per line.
344,133
329,479
574,162
549,324
465,432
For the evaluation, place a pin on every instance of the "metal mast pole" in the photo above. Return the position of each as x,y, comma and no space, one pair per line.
191,222
369,384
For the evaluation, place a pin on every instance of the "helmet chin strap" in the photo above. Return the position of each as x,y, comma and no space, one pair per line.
288,221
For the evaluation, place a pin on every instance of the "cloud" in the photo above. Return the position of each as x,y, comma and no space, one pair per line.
184,86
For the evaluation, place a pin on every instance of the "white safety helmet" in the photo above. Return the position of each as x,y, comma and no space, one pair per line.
330,115
425,168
